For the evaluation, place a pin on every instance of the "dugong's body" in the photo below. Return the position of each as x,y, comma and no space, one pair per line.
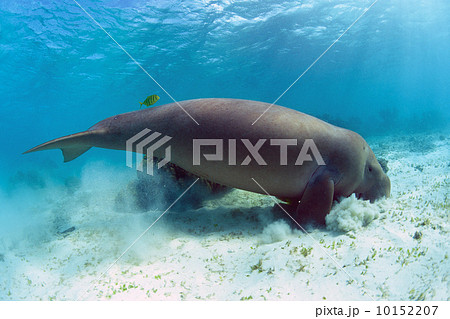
350,165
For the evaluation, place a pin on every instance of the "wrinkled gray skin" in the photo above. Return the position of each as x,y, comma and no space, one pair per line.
351,166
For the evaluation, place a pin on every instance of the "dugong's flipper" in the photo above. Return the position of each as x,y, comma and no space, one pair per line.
71,146
317,198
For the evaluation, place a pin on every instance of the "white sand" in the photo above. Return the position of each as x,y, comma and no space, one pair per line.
233,247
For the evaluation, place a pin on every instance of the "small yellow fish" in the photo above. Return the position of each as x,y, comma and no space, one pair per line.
150,100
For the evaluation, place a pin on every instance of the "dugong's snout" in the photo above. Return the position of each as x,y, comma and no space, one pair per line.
375,183
380,188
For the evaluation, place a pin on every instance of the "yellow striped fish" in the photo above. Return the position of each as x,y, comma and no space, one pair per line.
150,100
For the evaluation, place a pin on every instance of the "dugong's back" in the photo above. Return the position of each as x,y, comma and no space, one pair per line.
220,118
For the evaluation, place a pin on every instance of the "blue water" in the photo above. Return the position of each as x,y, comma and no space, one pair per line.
60,73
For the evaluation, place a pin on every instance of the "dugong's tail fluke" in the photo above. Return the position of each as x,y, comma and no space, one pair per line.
72,145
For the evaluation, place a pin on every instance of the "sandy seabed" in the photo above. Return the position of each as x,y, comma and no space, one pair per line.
62,241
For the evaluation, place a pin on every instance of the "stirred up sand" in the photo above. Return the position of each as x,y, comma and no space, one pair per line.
229,247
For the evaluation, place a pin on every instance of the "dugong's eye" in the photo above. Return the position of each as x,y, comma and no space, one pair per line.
370,168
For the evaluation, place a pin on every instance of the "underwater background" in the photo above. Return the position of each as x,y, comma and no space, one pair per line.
387,78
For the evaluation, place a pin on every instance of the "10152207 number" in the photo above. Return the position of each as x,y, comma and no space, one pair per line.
406,310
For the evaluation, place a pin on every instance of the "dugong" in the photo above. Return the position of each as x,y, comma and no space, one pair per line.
288,154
